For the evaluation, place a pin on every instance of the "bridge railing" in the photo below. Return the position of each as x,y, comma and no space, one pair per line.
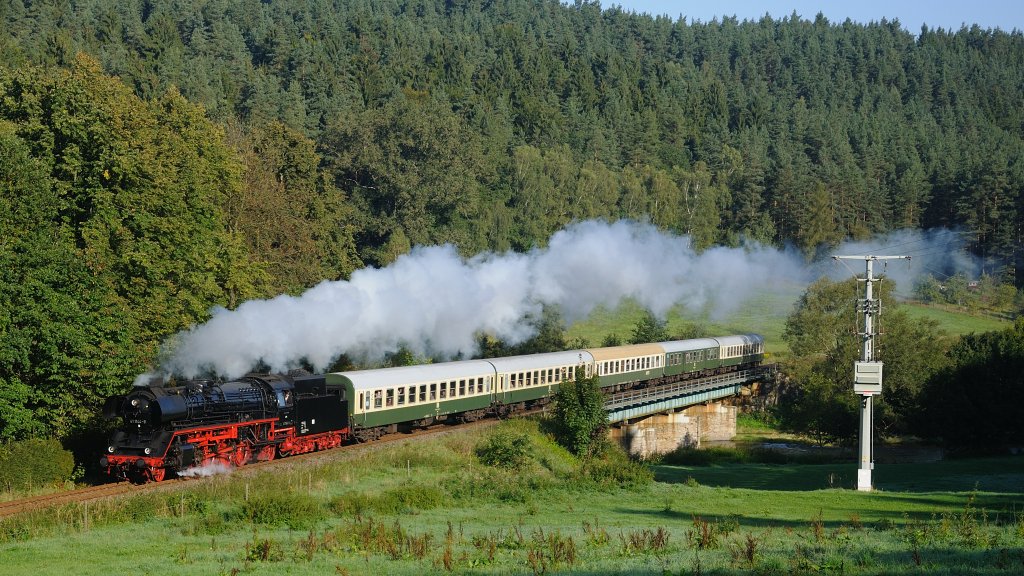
656,393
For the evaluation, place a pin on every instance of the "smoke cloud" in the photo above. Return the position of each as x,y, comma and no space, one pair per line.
435,302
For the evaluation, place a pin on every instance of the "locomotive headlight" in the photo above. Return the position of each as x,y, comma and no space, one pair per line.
110,449
147,451
135,402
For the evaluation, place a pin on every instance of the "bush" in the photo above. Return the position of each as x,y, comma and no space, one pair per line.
297,511
36,462
503,449
399,500
614,468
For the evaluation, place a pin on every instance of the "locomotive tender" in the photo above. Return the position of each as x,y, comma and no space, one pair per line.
264,416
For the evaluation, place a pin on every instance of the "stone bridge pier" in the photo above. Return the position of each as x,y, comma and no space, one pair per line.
663,433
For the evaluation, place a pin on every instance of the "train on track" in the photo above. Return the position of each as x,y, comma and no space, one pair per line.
169,430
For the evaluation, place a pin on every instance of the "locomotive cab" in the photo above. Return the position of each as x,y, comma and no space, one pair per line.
319,408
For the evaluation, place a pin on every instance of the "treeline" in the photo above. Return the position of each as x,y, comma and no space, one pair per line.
491,124
162,158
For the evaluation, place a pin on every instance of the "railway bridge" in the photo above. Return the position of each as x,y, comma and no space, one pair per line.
659,419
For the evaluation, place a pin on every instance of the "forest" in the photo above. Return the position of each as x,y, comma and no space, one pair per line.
158,159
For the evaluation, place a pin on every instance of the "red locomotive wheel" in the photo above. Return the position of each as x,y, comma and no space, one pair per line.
157,474
267,453
242,456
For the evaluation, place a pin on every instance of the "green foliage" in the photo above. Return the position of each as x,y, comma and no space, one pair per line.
404,499
33,463
291,215
297,511
987,293
579,417
505,450
434,117
819,400
114,238
611,467
977,399
649,329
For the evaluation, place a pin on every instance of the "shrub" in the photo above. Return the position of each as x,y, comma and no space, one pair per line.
297,511
503,449
613,467
399,500
34,462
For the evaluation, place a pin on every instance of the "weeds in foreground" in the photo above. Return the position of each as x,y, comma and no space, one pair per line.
704,535
747,551
643,541
596,535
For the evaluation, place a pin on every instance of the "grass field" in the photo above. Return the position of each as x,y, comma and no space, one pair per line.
432,507
956,322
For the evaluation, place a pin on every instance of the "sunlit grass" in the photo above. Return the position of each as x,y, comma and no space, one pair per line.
430,507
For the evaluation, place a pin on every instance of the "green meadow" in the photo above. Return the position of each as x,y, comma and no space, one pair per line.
432,506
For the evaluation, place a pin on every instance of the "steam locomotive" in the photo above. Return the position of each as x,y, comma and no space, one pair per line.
258,417
172,429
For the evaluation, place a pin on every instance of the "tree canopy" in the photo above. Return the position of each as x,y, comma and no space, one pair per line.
159,159
113,237
493,124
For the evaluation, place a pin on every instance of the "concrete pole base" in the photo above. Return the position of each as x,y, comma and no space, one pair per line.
864,480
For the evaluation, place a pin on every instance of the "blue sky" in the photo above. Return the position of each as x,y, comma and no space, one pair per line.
1005,14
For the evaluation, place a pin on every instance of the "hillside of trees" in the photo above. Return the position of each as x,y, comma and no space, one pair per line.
161,158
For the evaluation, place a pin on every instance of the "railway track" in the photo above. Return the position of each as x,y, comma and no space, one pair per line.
103,491
87,494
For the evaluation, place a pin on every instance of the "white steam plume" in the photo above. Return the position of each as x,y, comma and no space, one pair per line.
205,471
435,302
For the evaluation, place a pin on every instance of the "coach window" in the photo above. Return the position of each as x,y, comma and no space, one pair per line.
423,392
376,398
462,387
390,398
444,391
433,392
401,395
